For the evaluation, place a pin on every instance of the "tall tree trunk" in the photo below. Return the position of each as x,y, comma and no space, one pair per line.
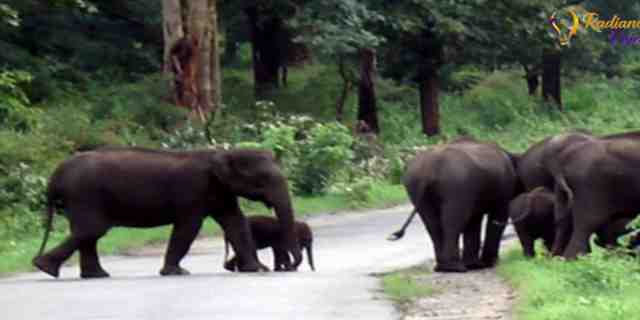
215,71
172,29
266,49
551,64
367,109
347,85
193,57
429,103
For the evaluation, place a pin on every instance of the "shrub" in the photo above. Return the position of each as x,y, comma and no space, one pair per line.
15,112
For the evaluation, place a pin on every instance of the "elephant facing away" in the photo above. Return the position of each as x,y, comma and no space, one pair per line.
143,188
452,187
266,231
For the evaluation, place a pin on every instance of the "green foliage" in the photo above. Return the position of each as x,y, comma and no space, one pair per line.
457,80
323,155
21,199
15,112
603,285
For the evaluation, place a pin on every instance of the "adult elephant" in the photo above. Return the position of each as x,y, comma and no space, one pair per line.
452,187
142,188
597,183
534,167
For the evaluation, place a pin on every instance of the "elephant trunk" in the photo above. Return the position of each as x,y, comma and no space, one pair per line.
284,213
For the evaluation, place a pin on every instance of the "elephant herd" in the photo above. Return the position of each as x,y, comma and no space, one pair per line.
562,190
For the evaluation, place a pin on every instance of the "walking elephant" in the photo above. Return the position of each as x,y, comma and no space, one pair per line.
452,187
266,231
143,188
597,183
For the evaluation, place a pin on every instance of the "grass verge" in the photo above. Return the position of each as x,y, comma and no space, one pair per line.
404,286
601,286
122,239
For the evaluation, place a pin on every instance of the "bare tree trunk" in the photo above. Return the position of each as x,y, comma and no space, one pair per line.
172,29
347,85
429,104
216,80
551,64
532,77
200,33
367,108
266,48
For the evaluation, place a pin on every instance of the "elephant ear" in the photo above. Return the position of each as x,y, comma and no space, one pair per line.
234,169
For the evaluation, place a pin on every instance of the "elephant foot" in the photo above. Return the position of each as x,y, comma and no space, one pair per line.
94,274
174,271
475,265
230,266
490,262
46,265
450,267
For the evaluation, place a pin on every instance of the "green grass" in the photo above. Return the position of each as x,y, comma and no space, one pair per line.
404,286
602,286
120,240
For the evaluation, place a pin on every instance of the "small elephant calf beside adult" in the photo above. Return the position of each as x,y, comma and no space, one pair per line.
266,234
142,188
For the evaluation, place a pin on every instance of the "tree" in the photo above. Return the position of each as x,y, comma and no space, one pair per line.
191,54
341,30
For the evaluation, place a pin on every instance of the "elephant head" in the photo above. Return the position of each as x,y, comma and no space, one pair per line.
255,175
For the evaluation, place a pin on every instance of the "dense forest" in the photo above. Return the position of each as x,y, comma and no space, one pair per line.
342,91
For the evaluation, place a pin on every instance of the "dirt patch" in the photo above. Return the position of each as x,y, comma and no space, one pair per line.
477,295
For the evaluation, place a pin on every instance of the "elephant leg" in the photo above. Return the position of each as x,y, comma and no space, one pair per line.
51,261
89,261
493,235
455,216
526,240
232,264
281,260
433,224
182,236
471,248
588,219
237,230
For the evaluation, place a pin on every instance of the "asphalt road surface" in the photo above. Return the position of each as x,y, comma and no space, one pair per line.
348,249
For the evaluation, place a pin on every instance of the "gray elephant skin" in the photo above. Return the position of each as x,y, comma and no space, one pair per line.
143,188
452,187
535,166
532,216
266,231
597,183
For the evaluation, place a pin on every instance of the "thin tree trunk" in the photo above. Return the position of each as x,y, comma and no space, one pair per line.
367,108
346,89
551,64
215,76
429,104
172,29
532,78
199,31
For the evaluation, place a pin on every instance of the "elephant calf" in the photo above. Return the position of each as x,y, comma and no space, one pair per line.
532,216
266,233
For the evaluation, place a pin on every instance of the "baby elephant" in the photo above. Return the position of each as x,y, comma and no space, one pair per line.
532,216
266,233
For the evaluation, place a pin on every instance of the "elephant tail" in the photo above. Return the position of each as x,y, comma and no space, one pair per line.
51,208
309,247
400,233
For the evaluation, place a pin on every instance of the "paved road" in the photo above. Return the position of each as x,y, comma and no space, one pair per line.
348,249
